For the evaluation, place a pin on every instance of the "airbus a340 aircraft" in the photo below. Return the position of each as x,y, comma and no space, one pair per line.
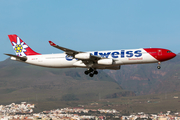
112,59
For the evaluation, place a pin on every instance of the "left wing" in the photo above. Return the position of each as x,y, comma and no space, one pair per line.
66,50
73,52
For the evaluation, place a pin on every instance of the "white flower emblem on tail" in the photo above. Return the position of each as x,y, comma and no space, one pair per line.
19,47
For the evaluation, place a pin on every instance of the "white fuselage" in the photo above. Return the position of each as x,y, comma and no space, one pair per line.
120,57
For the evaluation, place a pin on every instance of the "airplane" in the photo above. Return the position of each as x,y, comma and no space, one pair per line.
111,59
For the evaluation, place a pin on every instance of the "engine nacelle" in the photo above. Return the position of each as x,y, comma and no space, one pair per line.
105,62
83,56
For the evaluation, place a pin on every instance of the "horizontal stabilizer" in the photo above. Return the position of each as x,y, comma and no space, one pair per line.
17,57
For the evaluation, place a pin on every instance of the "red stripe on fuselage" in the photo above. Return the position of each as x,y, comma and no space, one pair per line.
160,54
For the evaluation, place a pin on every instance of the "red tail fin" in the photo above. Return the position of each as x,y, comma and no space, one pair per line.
20,47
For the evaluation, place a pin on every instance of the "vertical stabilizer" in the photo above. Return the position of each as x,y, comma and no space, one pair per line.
20,47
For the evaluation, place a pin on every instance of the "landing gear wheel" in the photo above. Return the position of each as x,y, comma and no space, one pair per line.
90,70
158,67
95,72
91,74
86,72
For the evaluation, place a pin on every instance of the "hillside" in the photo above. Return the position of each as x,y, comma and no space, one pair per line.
22,82
147,79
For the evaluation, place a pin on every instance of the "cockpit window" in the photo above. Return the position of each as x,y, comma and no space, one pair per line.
169,52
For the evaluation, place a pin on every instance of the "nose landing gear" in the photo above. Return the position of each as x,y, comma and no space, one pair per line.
159,67
91,72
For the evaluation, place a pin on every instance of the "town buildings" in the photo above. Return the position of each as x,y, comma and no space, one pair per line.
24,111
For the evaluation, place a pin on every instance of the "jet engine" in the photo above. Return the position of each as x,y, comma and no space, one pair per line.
105,62
83,56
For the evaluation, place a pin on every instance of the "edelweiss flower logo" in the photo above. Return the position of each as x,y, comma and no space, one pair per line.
19,47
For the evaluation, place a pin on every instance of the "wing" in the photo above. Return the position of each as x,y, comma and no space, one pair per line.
73,52
66,50
17,57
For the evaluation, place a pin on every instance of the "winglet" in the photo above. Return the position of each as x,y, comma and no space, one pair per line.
51,43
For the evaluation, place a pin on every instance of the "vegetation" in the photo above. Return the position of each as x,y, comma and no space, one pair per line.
69,97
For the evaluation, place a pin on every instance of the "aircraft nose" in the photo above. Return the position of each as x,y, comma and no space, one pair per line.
166,56
173,55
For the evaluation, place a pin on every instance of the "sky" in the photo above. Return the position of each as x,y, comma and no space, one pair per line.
89,25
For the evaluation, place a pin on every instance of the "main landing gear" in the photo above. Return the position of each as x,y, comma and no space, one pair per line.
159,67
91,72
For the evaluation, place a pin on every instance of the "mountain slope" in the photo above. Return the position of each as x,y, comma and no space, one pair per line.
147,79
20,81
142,79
